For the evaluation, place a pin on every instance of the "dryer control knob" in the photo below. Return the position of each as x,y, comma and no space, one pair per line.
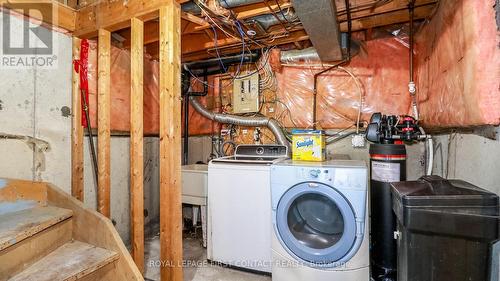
314,173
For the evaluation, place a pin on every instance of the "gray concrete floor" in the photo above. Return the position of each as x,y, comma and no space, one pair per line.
198,268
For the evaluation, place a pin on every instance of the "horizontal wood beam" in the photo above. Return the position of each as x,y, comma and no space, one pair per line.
49,12
250,13
399,16
296,36
225,42
194,19
391,6
115,15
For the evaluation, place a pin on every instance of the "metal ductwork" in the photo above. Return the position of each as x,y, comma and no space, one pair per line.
192,8
319,18
270,123
310,55
268,20
236,3
304,55
265,21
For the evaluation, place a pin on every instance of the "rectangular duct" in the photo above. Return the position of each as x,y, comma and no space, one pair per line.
319,18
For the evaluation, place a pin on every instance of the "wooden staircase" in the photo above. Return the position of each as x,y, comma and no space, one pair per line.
46,235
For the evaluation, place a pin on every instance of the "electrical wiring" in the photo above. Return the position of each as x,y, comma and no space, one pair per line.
360,92
281,10
207,13
220,60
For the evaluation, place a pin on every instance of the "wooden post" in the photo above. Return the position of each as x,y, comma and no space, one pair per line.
77,189
103,121
136,142
170,143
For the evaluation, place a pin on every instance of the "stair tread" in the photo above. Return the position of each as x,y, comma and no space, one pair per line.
71,261
17,226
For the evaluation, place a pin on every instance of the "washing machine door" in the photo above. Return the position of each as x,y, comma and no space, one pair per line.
316,224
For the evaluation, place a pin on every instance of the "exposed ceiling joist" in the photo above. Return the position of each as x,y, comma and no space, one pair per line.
250,13
194,19
389,18
391,6
115,15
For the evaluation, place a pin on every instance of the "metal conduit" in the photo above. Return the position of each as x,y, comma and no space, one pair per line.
270,123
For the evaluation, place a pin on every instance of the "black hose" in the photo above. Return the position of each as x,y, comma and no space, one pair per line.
90,136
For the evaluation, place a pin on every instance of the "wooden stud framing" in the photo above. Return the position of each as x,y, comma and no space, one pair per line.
76,131
170,142
114,15
103,122
136,142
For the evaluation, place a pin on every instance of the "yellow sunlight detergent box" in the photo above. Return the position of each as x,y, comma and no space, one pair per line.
308,145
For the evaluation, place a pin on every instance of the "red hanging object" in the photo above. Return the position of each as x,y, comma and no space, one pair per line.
81,67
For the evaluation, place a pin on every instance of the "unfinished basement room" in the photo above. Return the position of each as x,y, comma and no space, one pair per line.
250,140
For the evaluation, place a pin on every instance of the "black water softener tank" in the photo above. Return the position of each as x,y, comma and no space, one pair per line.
387,164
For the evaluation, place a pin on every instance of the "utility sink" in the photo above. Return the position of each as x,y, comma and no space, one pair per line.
194,184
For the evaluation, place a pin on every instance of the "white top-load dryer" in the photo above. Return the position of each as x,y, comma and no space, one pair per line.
239,197
320,221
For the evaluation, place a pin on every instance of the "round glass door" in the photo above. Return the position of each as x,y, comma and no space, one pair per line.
316,223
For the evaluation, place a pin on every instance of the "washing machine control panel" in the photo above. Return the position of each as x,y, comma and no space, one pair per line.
316,174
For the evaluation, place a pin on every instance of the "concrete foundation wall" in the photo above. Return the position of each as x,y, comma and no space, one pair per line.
120,178
469,157
36,102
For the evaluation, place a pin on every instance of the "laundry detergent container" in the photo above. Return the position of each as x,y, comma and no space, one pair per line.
445,229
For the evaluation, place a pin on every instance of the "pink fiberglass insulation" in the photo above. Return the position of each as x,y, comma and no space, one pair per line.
458,65
382,72
457,74
383,75
120,90
120,94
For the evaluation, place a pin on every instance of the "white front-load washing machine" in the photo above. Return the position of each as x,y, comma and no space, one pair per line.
320,221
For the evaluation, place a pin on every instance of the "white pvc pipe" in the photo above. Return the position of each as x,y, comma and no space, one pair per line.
430,153
429,161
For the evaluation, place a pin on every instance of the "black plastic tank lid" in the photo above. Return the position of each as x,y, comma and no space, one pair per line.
434,191
387,149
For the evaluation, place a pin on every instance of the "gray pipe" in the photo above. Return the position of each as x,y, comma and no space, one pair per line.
236,3
265,21
268,20
192,8
304,55
270,123
310,55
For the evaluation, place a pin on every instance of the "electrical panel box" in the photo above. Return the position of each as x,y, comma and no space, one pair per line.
246,93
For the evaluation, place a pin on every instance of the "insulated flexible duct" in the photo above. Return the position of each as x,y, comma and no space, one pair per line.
270,123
